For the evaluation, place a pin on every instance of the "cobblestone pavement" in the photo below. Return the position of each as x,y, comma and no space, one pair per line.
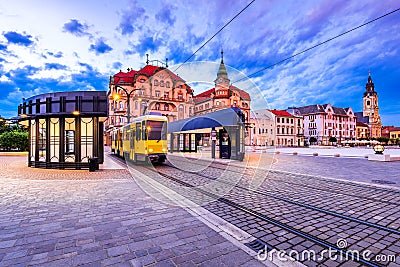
353,169
366,216
81,218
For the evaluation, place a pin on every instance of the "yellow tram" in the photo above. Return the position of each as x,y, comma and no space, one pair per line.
143,139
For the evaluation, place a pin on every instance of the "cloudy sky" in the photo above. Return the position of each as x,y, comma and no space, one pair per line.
49,46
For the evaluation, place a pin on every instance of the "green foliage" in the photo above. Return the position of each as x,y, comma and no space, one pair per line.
332,139
15,140
383,139
313,140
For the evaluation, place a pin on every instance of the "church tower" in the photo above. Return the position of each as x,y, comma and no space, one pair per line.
222,81
371,108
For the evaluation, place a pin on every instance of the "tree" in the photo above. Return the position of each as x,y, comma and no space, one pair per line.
14,140
332,139
383,139
313,140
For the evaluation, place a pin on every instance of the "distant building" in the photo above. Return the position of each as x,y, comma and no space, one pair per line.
223,95
152,88
325,121
370,113
386,131
262,130
362,131
395,133
289,128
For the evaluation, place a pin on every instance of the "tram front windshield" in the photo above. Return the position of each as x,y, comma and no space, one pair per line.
156,130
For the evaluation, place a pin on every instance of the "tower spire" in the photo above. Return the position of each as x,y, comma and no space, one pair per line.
222,55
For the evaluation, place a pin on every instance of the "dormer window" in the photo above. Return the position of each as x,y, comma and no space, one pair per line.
142,80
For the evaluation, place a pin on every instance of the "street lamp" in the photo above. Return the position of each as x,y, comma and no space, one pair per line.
116,97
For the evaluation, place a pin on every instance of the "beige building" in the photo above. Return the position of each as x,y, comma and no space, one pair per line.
362,131
262,128
152,88
289,129
223,95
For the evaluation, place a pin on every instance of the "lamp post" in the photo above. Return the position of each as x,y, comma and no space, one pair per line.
128,104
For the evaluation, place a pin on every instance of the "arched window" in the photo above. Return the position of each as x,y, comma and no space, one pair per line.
162,83
167,84
166,107
155,82
157,107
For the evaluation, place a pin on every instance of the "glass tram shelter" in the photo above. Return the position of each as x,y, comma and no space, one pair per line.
223,128
65,129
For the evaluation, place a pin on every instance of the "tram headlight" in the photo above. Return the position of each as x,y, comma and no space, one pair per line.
164,150
151,150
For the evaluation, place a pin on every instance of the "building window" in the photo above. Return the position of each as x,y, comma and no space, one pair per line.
142,80
157,93
162,83
157,106
180,96
167,84
121,105
155,82
287,120
166,107
278,120
166,95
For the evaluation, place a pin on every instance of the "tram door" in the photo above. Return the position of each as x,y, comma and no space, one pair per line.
224,145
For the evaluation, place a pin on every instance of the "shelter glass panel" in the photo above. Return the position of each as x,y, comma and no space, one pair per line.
69,140
54,139
42,140
86,139
33,140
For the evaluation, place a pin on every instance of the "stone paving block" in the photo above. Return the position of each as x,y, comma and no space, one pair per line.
89,257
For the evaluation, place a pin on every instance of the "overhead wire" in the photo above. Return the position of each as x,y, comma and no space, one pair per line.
226,24
314,46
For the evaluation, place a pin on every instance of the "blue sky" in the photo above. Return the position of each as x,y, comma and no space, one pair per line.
48,46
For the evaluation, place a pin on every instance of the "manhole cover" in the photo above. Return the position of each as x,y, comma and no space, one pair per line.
382,182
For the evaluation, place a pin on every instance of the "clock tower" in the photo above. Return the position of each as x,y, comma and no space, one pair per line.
371,108
222,81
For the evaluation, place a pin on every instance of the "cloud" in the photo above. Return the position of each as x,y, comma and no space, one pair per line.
19,39
100,47
130,16
76,28
55,66
3,47
59,54
148,44
165,15
117,65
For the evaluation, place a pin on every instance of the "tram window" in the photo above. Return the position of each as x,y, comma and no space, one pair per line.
144,137
156,130
138,131
69,142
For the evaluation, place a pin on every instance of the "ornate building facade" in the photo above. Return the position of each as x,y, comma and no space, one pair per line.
370,113
325,121
289,128
223,95
152,88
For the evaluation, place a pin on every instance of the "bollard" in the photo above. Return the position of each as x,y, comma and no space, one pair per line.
315,154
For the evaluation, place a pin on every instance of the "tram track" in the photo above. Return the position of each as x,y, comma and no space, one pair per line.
263,217
311,207
394,192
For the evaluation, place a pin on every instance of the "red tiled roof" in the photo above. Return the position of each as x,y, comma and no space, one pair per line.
395,129
243,94
282,113
206,93
359,123
148,70
124,77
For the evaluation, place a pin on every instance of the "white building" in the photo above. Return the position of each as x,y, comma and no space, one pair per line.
262,128
325,121
289,128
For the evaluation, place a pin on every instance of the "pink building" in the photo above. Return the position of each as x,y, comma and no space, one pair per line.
325,121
